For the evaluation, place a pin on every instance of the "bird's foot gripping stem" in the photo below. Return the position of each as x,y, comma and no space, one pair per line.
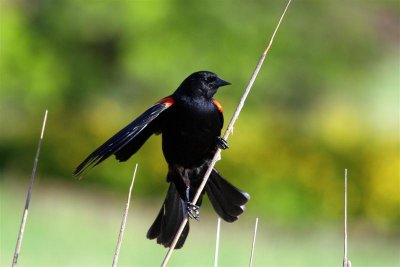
192,209
222,143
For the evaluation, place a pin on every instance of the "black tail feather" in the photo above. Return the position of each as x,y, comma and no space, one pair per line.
227,200
170,217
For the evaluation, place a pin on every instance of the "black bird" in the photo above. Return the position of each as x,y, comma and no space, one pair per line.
190,122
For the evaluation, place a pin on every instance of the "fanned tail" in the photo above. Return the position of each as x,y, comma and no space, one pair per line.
170,217
227,200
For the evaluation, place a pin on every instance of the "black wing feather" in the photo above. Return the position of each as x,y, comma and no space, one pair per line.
124,136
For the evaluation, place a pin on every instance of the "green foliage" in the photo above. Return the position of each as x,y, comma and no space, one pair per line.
326,99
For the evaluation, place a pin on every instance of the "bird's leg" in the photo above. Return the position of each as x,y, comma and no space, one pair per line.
192,209
222,143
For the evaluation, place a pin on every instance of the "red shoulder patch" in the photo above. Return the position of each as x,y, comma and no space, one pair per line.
218,105
168,101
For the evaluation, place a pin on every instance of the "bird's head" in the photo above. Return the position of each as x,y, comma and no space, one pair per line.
201,84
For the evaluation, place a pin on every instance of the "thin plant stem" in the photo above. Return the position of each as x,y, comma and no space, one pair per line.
28,196
217,242
123,223
346,261
217,155
253,245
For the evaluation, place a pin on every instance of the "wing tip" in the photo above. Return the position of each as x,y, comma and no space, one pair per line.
79,171
85,165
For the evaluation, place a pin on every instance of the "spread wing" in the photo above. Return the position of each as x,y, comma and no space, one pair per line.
128,140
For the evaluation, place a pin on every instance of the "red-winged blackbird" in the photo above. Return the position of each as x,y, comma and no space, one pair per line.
190,122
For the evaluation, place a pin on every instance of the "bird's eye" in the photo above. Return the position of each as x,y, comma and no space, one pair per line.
210,79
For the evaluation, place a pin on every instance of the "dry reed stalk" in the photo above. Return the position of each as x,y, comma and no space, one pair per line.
28,196
123,223
217,155
346,261
217,242
253,245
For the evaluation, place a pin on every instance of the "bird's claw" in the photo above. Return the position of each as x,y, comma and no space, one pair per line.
193,211
222,143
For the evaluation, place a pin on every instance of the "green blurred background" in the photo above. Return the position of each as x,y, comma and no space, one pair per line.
326,99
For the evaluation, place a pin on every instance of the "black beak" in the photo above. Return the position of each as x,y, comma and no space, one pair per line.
219,82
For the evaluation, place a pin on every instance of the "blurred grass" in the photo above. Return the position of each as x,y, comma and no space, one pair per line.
71,226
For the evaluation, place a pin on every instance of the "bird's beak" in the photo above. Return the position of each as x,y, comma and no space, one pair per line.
219,82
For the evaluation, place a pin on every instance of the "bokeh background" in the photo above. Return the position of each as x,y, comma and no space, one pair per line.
326,99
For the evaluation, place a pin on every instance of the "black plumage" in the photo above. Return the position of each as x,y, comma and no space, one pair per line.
190,122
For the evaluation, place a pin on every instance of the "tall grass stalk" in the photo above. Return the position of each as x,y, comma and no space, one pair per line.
253,245
123,223
28,196
346,261
217,242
